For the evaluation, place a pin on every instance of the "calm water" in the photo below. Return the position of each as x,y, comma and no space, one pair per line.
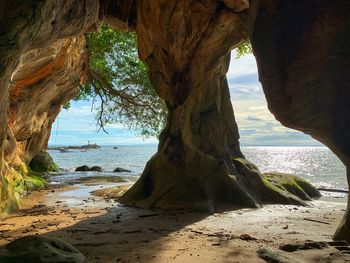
316,164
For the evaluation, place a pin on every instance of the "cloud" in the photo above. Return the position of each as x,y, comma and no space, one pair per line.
256,124
246,79
77,126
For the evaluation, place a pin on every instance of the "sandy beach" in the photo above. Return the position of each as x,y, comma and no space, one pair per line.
105,231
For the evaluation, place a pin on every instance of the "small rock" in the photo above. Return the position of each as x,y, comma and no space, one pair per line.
246,237
83,168
271,256
121,170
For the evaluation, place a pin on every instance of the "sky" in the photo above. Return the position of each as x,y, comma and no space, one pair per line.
257,126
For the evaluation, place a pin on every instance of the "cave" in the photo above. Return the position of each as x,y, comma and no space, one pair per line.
302,55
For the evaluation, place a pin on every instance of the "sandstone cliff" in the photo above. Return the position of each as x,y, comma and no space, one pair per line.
43,61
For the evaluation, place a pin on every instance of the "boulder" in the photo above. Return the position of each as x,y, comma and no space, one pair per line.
96,169
83,168
40,249
43,162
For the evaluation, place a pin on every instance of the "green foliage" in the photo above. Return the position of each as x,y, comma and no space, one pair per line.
243,49
118,83
24,179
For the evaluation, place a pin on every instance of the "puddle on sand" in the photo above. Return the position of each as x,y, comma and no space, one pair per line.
80,195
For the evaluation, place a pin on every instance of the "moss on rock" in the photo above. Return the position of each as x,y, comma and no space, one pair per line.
217,190
292,184
7,193
17,182
27,180
34,182
275,187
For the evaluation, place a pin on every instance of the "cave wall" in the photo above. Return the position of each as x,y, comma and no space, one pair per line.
49,77
43,59
303,57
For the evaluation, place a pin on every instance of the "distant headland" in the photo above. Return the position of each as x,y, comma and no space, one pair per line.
83,147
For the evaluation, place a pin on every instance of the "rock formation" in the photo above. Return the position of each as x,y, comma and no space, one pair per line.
198,163
43,59
302,54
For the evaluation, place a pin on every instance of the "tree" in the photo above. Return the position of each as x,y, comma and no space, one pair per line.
118,83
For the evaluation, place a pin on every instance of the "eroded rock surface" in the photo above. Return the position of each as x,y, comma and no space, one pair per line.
43,60
303,56
199,163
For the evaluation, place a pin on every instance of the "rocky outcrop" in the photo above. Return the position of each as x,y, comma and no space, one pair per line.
86,168
83,168
199,163
43,59
121,170
83,147
303,56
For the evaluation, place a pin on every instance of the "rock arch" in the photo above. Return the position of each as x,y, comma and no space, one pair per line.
185,44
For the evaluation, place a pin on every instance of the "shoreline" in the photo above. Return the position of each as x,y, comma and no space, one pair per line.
106,231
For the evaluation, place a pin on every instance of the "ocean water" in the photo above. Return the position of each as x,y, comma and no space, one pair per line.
133,158
316,164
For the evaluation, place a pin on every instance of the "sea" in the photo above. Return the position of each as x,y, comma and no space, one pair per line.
316,164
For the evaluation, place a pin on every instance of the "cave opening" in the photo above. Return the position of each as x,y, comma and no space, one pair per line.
271,146
199,163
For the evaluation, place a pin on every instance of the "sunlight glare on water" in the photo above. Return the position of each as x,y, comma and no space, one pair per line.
316,164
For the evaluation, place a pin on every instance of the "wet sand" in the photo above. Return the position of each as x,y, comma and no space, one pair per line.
105,231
